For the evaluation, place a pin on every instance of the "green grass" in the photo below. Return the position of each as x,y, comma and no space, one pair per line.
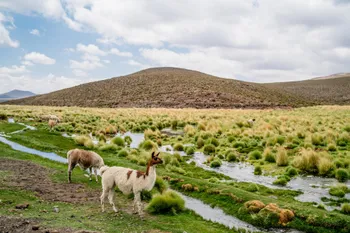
9,127
308,218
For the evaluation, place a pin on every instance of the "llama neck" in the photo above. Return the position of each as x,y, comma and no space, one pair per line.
150,170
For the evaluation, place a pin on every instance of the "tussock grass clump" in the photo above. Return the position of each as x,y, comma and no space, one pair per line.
178,147
231,138
215,163
213,141
307,161
174,162
332,147
268,155
342,175
3,116
166,158
128,140
324,166
345,208
148,145
109,147
167,202
209,149
291,172
80,140
172,168
255,155
118,141
189,130
281,157
230,156
257,170
160,185
252,188
339,191
282,180
200,143
189,150
239,144
123,153
317,140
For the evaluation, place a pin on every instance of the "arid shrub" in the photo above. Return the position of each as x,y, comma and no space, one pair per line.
109,147
317,140
252,188
167,202
291,172
332,147
189,150
281,157
268,155
128,140
230,156
80,140
160,185
213,141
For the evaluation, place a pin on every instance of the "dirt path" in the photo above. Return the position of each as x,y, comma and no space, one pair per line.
32,177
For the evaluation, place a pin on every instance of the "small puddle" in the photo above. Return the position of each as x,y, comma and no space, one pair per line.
313,188
47,155
11,120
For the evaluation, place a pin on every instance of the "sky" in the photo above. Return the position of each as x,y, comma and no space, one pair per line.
54,44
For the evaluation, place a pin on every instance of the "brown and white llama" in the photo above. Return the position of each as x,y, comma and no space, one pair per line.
84,159
128,181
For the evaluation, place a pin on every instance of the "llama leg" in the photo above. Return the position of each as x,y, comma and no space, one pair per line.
90,173
139,204
111,199
134,209
70,169
103,198
95,170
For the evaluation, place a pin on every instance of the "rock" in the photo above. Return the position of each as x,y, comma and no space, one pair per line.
35,227
22,206
56,209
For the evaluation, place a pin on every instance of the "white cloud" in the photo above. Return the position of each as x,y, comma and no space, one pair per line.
132,62
80,73
5,39
107,61
27,63
119,53
35,32
39,58
13,70
71,50
85,65
90,49
260,40
39,85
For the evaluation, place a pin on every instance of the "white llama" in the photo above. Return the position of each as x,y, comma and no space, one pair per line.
128,181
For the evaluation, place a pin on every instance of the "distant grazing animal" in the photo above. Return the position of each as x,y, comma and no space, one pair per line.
251,122
84,159
128,181
52,123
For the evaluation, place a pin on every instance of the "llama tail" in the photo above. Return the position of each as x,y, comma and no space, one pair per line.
103,169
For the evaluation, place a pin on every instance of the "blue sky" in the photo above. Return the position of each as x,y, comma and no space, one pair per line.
55,44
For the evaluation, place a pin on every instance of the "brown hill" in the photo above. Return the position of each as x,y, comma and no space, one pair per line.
340,75
167,87
319,91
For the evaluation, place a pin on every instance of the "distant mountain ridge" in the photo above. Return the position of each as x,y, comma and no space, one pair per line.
15,94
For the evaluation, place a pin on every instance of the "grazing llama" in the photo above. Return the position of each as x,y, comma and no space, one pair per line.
128,181
52,123
251,122
84,159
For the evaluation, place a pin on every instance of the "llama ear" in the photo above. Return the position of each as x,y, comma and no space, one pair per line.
152,154
158,154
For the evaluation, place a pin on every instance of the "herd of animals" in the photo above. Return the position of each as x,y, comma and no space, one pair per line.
127,180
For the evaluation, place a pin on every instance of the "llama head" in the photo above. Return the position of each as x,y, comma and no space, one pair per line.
155,159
